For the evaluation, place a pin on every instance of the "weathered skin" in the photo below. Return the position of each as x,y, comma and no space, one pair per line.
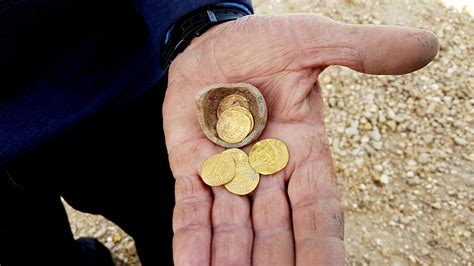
294,216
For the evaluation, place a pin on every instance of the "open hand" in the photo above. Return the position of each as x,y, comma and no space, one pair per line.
295,215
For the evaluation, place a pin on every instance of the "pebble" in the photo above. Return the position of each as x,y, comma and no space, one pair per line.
392,125
378,168
352,131
460,141
424,158
117,237
131,249
428,138
384,179
101,232
377,145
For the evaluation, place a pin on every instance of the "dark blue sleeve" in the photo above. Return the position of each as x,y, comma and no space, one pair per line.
160,15
107,57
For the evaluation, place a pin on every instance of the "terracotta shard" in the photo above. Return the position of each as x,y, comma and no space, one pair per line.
208,100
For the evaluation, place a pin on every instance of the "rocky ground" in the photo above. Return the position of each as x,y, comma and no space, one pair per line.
403,145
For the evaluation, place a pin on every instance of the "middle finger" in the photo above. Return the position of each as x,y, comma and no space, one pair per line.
232,233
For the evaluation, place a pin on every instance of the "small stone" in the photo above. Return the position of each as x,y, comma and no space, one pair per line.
436,205
117,237
99,233
391,114
413,181
456,239
378,168
428,138
467,234
431,108
404,220
327,79
392,124
420,111
423,158
377,145
74,228
469,157
351,131
109,245
367,126
131,249
460,141
384,179
375,135
376,178
397,261
399,118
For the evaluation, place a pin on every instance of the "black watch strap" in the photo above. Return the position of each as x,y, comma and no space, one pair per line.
193,25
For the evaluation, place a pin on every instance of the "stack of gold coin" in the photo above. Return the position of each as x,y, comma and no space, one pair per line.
235,121
239,173
233,169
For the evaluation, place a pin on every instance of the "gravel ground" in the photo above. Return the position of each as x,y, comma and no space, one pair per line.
403,146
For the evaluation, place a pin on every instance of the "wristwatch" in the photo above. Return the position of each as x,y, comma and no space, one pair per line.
195,24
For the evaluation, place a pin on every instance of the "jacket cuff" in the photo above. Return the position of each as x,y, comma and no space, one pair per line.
160,16
195,24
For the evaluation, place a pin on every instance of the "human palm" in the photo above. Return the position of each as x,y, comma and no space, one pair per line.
295,215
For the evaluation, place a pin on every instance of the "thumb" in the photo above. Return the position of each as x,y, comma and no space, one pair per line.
365,48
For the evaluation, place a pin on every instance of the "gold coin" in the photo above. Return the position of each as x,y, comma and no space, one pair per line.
268,156
247,113
218,170
232,100
239,156
245,180
233,125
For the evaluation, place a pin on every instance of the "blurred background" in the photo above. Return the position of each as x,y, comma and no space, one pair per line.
403,145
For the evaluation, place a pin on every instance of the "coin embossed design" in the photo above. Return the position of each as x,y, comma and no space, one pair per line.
218,170
233,100
248,114
234,125
245,180
268,156
239,156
